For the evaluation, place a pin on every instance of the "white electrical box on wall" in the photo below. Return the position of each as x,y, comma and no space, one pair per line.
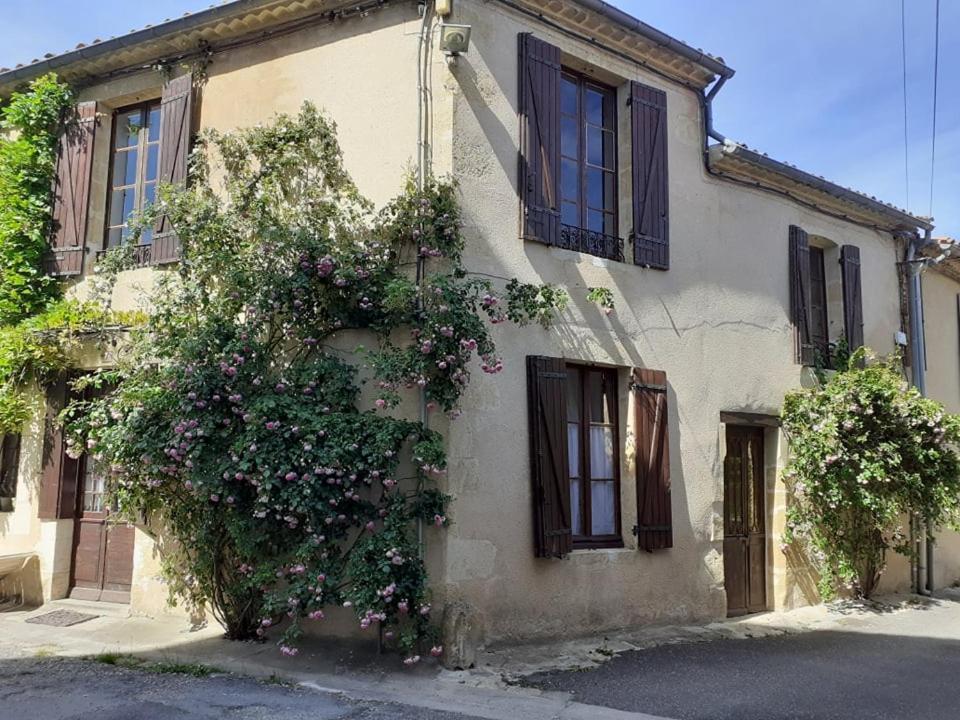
444,7
900,338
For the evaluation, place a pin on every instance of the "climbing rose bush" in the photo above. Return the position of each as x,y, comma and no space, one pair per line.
867,450
238,420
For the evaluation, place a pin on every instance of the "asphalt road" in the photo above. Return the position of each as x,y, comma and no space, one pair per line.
59,689
818,675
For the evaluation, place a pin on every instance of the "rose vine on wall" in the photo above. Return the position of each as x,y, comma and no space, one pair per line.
867,451
274,458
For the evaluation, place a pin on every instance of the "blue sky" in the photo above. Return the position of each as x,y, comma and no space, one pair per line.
818,82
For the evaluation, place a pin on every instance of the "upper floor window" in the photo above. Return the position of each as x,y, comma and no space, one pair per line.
819,314
588,150
134,167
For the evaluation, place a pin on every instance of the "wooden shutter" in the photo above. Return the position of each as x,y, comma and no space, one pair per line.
71,193
547,403
176,119
852,296
9,465
800,300
651,230
654,528
60,475
539,85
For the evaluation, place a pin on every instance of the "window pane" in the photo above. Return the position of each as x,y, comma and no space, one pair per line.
595,221
576,521
602,508
153,152
570,214
573,449
595,180
146,237
570,180
121,205
609,226
601,397
574,393
568,96
125,168
601,452
595,140
153,122
114,237
569,137
593,104
128,128
149,193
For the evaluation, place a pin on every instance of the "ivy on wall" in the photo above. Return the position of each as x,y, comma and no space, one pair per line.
30,125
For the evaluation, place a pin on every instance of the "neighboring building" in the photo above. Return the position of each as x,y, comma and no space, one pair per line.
622,469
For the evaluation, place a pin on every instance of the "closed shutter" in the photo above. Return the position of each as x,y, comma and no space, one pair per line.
9,465
176,119
539,85
60,475
852,296
651,229
547,404
71,193
654,528
800,300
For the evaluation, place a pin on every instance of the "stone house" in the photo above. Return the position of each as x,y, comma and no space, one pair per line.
623,468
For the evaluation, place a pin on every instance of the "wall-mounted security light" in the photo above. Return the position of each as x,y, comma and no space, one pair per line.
454,39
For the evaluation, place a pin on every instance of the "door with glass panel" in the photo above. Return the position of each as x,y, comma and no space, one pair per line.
102,548
594,456
744,510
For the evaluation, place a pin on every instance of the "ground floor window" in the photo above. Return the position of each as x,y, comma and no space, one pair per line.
593,456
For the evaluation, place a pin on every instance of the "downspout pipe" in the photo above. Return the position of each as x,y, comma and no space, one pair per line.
923,578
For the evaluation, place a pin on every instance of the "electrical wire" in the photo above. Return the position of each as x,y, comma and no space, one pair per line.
936,72
906,136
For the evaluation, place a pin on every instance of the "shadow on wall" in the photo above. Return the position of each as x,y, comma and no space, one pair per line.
21,585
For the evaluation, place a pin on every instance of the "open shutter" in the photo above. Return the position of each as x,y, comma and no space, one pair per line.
539,85
71,193
800,301
9,465
852,296
60,475
176,116
547,401
654,528
651,230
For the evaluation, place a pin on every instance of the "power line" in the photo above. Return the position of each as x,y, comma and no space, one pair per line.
936,72
906,136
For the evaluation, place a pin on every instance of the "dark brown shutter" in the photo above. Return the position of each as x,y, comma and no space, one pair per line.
176,118
800,300
651,228
9,465
852,296
539,85
547,401
71,193
60,475
654,528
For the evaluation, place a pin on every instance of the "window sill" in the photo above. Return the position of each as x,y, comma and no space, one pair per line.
612,550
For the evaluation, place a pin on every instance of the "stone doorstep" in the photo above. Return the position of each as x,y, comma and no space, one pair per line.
350,671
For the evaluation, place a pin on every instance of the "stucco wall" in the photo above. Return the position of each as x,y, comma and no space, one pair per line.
362,72
717,322
941,311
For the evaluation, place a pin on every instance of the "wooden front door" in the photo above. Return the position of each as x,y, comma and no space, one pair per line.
102,548
744,539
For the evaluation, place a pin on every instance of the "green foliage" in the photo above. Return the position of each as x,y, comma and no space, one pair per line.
239,426
29,128
38,348
602,297
867,450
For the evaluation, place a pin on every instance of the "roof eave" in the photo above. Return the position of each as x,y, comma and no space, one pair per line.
897,219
